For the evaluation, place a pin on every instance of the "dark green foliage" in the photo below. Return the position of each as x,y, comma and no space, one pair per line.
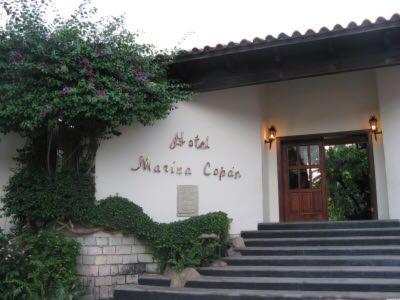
78,72
122,214
38,266
175,244
35,198
348,182
66,84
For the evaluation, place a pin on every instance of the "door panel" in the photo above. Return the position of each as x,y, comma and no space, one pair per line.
304,184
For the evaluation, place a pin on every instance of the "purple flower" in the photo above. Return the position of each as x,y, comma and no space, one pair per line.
139,74
91,84
85,62
15,56
90,73
65,91
100,93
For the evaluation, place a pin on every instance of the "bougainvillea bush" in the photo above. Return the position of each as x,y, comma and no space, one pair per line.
66,84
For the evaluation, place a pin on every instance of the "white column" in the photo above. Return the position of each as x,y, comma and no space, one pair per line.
388,81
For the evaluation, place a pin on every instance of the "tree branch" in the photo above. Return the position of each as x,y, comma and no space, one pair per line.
81,230
49,142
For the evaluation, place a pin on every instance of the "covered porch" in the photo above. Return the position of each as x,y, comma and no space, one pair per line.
313,87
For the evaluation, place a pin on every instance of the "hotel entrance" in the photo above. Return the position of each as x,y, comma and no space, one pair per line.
326,177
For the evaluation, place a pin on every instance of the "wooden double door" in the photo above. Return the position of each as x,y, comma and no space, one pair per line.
303,176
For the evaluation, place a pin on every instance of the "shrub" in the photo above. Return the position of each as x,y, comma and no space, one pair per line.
175,244
33,197
40,266
66,84
349,190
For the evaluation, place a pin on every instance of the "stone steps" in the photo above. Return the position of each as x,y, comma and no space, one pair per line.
308,260
353,232
299,284
130,292
303,271
319,260
329,225
320,250
323,241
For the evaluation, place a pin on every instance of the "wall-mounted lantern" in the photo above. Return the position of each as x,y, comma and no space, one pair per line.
270,136
373,123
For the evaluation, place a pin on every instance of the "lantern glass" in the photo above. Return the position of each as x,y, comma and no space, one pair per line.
373,123
272,133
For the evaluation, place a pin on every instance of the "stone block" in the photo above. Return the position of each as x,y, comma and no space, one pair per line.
132,279
88,270
114,270
89,241
79,260
103,280
129,259
139,249
109,250
132,269
107,260
91,280
237,242
93,250
120,279
151,268
101,241
104,270
106,292
114,259
100,259
96,292
129,240
88,260
146,258
81,270
123,249
116,241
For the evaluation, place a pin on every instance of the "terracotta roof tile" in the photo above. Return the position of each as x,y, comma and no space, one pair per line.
352,25
269,39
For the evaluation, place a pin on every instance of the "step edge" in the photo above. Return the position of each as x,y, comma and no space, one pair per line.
323,230
261,293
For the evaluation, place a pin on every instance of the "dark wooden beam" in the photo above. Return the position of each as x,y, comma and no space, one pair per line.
338,54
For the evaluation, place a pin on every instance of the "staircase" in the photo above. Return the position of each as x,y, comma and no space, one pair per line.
324,260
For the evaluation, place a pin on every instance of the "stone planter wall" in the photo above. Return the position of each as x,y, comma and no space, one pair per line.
111,259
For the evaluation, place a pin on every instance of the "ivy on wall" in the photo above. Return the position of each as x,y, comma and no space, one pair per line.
176,244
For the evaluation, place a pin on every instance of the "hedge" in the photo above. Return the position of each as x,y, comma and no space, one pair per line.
176,244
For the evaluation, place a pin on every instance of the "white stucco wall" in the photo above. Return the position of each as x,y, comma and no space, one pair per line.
8,146
389,101
231,119
324,104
